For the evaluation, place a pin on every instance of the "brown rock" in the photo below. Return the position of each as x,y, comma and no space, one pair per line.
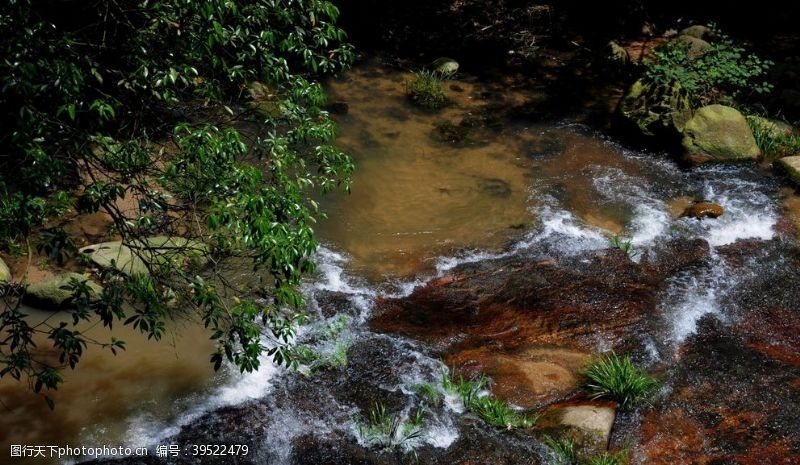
703,210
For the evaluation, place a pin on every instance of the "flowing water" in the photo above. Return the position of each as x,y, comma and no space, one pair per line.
420,205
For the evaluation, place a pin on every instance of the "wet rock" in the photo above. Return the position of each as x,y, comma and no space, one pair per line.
791,166
5,273
502,316
717,133
136,257
656,109
728,403
703,210
54,293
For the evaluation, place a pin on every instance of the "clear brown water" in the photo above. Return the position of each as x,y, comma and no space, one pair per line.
415,197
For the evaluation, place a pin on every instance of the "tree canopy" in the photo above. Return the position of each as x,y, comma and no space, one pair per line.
202,114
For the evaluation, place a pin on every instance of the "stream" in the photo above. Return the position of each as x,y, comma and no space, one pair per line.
471,191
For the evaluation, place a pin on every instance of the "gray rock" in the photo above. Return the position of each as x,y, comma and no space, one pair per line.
54,293
136,257
791,166
445,66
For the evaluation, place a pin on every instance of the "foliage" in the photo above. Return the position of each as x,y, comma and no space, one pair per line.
623,245
329,351
426,90
607,458
392,432
139,100
773,143
616,378
724,70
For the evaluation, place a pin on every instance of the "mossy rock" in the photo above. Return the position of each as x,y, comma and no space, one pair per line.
791,166
717,133
698,31
135,257
54,293
5,273
656,109
616,53
697,47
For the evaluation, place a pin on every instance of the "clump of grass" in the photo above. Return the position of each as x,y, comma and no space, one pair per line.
606,458
391,431
498,413
773,142
429,393
493,411
624,245
616,378
564,449
329,352
426,90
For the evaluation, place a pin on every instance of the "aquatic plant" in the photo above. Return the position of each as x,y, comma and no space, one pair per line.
623,245
616,378
391,431
564,450
425,89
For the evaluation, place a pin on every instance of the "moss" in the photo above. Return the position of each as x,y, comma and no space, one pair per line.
720,133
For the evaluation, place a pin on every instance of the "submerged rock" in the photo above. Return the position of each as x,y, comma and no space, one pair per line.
717,133
656,109
54,293
703,210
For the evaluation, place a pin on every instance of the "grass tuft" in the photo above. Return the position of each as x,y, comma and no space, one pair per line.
623,245
426,90
387,431
616,378
564,449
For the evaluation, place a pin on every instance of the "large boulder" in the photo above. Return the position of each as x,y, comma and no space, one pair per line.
139,256
717,133
5,273
656,109
791,165
54,293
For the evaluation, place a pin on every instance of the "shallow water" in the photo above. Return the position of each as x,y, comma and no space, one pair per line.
419,207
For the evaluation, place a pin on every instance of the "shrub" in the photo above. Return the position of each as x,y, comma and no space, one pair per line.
723,71
425,89
617,378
